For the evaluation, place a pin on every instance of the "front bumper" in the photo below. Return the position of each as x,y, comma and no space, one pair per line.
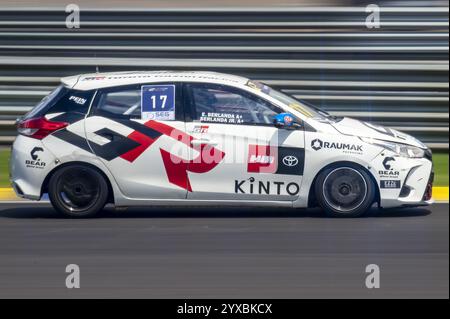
404,181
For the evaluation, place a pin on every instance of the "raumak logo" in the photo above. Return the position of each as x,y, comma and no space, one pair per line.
252,186
35,161
318,144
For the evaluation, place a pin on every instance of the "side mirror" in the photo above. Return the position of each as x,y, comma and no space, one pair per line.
286,121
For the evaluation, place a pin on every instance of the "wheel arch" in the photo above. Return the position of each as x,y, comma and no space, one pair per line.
44,187
312,201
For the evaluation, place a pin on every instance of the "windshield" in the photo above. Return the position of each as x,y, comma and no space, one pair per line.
304,108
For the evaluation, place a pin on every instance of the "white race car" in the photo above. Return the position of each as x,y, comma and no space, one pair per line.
205,138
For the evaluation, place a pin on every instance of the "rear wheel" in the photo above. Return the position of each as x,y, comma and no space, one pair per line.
78,191
345,191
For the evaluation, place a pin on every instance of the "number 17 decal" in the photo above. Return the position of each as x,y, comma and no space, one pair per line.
158,102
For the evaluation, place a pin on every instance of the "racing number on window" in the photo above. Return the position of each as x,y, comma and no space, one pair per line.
162,98
158,102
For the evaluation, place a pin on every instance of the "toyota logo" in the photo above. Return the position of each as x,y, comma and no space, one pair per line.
290,160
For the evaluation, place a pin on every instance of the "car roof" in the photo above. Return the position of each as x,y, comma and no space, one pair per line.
94,81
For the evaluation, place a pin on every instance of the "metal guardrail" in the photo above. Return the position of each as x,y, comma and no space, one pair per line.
396,75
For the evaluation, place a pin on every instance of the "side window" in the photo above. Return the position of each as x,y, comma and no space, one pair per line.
223,104
73,101
120,103
161,102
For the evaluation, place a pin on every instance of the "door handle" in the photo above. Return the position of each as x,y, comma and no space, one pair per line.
203,141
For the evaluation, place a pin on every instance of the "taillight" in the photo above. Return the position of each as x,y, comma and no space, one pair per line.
39,128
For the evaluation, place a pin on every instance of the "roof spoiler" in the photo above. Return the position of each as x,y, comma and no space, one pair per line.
70,81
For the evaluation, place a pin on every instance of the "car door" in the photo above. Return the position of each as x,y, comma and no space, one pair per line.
132,129
251,159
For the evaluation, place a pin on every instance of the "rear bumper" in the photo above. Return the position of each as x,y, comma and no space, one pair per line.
20,193
29,165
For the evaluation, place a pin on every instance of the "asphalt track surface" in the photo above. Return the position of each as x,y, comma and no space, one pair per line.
223,253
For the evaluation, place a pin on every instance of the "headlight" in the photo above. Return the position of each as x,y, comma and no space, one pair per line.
400,149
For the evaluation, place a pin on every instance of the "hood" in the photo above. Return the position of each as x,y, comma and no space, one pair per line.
354,127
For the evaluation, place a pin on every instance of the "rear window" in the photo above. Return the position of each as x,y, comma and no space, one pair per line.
62,100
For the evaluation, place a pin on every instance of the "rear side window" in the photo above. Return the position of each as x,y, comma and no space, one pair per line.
73,101
121,103
46,102
63,100
125,102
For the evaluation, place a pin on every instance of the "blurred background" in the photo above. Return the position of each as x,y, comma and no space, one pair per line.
320,51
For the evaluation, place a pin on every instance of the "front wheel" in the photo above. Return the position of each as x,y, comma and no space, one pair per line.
78,191
345,191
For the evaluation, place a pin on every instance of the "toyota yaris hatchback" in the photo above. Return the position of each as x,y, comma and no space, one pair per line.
204,138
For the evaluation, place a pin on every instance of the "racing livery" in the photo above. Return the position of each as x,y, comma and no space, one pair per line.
205,138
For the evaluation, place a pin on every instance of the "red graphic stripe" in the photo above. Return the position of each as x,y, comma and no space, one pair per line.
142,139
174,133
176,167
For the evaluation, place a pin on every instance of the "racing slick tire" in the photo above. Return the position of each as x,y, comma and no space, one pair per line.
78,191
345,191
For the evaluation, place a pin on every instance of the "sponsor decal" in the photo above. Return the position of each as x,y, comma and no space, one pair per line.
131,147
390,184
200,129
35,161
290,161
318,144
262,159
94,78
386,162
252,186
158,102
275,160
77,100
388,171
222,118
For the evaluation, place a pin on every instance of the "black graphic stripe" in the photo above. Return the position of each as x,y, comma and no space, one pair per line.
68,117
73,139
